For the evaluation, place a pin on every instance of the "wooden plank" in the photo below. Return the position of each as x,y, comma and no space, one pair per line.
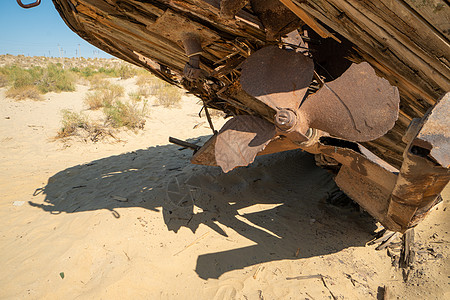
435,12
398,42
305,17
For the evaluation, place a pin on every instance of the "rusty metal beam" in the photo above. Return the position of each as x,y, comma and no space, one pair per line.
425,170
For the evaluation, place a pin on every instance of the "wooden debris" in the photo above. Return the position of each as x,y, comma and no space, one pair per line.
326,286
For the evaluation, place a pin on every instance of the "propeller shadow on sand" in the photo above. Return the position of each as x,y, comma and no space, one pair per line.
278,202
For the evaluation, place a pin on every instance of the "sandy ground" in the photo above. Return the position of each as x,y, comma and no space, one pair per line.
99,221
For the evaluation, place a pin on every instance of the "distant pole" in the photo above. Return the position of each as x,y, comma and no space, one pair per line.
79,50
60,52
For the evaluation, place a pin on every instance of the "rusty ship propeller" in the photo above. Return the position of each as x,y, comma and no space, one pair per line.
358,106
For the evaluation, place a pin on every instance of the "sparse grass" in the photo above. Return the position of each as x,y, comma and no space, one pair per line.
135,96
168,96
24,92
130,115
94,100
104,96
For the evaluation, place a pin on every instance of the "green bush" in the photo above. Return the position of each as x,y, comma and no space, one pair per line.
129,115
52,78
56,79
19,77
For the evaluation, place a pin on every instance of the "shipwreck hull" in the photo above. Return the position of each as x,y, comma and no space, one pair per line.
405,42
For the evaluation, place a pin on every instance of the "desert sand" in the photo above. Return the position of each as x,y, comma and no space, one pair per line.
101,221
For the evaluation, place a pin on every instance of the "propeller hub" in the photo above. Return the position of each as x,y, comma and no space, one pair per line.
285,119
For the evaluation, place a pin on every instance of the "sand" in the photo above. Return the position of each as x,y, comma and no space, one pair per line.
134,220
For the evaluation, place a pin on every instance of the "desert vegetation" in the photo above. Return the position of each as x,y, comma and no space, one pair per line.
108,105
19,74
166,95
104,95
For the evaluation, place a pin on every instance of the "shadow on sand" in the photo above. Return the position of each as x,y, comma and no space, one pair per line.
278,202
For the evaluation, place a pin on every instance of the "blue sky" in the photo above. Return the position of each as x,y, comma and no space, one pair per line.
39,31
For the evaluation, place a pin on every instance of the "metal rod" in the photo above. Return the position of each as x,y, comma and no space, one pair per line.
30,5
208,117
183,144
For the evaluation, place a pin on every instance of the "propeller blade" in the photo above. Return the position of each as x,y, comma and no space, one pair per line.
240,140
358,106
279,78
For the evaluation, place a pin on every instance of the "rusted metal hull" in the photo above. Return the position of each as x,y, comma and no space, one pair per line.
403,42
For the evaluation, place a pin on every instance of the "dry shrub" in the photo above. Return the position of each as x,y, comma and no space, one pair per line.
94,100
3,80
104,97
144,91
145,79
78,124
126,71
149,83
71,122
215,113
116,90
24,92
97,81
130,115
168,96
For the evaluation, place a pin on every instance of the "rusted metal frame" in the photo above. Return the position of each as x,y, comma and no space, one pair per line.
363,176
425,170
30,5
418,186
399,200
